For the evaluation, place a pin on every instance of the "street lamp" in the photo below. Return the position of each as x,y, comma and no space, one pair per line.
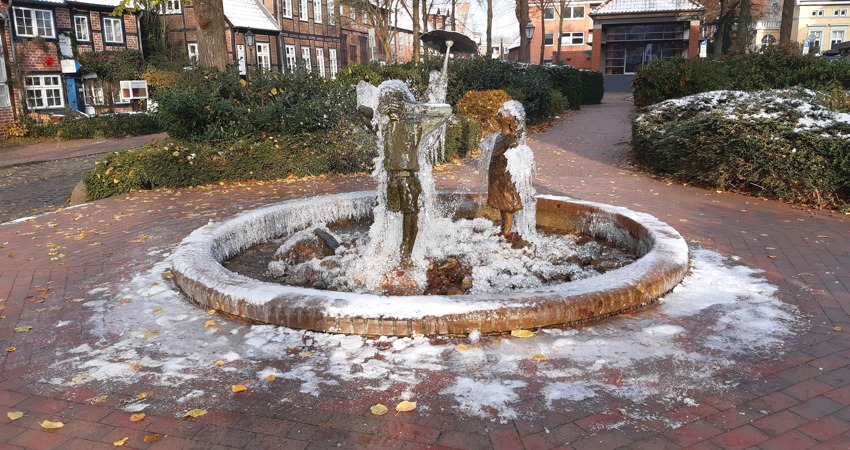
529,33
249,42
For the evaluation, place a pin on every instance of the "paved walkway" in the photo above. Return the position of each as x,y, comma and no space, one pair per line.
55,267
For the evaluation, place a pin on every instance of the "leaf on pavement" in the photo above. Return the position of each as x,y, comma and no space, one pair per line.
48,425
378,409
137,417
405,406
14,415
195,413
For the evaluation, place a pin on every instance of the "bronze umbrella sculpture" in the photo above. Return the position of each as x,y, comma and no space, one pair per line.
445,41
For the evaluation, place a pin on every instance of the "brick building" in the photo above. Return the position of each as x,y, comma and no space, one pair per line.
40,40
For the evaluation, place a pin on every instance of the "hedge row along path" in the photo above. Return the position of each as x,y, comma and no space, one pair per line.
50,265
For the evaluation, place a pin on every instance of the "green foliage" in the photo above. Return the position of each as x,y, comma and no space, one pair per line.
189,163
757,148
569,84
462,136
772,69
593,87
103,126
113,66
482,106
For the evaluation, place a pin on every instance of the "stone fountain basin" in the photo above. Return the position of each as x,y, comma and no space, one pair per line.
197,270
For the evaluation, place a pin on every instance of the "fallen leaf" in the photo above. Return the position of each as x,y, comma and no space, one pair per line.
157,310
218,363
306,354
195,413
14,415
136,367
99,399
48,425
209,323
462,348
539,357
270,377
23,329
149,334
137,417
121,442
142,396
80,378
522,333
211,312
839,329
405,406
152,438
378,409
238,388
10,349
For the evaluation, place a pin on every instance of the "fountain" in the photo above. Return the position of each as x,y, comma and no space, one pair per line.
407,260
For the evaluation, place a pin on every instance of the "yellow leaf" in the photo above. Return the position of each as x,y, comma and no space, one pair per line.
15,415
137,417
522,333
152,438
80,379
539,357
405,406
99,399
142,396
378,409
270,377
243,83
462,348
121,442
306,354
195,413
149,334
157,310
48,425
136,366
839,329
10,349
238,388
211,312
209,323
218,363
22,329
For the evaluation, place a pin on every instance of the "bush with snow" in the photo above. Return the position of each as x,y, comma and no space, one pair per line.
779,144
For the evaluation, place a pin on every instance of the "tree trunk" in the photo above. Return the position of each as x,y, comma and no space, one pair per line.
785,27
490,30
454,2
542,32
416,48
521,12
212,51
561,8
744,20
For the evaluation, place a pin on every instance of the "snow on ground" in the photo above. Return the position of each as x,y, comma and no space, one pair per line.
702,337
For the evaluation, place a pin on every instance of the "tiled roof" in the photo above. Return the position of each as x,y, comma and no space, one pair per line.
642,6
109,3
249,14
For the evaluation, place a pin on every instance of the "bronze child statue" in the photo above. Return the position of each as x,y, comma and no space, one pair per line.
502,192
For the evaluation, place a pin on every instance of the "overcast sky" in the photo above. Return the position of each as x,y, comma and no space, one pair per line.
504,18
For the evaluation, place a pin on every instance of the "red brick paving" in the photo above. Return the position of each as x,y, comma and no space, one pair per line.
800,401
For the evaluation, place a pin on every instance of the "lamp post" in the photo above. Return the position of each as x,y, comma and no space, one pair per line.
529,33
249,42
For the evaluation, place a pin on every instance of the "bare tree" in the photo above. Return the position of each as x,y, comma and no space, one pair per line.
785,26
521,12
378,13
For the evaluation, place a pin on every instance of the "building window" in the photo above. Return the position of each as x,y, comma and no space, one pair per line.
172,6
290,57
352,13
286,8
364,18
549,39
44,91
317,11
320,61
818,38
33,22
192,51
303,13
331,13
837,37
305,57
768,40
81,28
332,58
548,13
5,101
575,38
574,12
112,32
817,13
264,56
839,12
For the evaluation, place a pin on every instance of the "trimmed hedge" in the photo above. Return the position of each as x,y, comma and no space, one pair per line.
675,78
103,126
463,135
187,163
774,144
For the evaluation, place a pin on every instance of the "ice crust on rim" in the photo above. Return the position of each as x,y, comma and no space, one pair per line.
705,336
198,257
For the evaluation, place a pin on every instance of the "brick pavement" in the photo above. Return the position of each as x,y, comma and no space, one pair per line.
51,263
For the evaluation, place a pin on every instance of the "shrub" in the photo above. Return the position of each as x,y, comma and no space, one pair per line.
775,144
482,106
103,126
677,77
16,130
462,136
567,82
592,87
189,163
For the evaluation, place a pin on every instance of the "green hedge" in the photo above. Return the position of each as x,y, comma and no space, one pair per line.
675,78
103,126
463,135
188,163
751,143
593,87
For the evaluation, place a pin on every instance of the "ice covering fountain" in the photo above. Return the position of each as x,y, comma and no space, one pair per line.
365,261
